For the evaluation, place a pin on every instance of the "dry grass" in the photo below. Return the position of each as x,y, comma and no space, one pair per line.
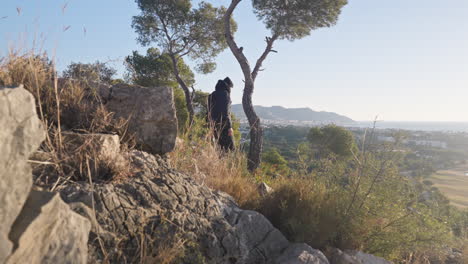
164,242
219,170
438,255
307,211
65,105
168,250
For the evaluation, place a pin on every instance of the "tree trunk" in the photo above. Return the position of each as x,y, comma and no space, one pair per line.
256,130
188,95
188,101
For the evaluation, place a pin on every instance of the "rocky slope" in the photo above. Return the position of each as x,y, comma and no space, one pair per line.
160,201
153,213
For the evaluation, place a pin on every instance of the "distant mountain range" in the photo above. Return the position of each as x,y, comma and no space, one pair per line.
282,114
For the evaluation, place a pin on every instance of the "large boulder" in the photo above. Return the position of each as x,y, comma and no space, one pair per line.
141,210
301,254
48,231
20,134
151,114
37,227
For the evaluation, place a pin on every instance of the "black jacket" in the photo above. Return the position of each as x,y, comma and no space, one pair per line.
219,105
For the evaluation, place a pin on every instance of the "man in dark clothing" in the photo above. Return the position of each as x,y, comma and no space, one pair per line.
219,113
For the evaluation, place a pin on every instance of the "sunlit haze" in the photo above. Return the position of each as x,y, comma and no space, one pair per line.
399,60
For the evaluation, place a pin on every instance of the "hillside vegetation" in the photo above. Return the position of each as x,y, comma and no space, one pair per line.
330,200
348,196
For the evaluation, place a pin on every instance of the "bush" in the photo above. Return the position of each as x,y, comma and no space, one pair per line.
273,164
361,205
66,105
305,211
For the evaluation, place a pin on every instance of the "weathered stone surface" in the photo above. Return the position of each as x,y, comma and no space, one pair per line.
20,134
301,254
355,257
138,208
454,256
339,257
48,231
151,112
105,146
87,155
264,189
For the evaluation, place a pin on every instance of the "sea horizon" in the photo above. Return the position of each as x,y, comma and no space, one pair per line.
441,126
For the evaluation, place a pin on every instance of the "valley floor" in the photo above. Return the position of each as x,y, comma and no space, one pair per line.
454,184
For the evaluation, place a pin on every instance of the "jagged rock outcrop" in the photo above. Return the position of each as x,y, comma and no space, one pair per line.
299,254
157,197
48,231
153,210
151,112
20,134
41,228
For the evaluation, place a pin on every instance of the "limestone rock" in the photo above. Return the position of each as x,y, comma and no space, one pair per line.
20,134
339,257
264,189
158,199
151,112
105,146
355,257
301,254
454,256
48,231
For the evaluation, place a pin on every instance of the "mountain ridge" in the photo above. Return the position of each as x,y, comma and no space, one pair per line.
303,114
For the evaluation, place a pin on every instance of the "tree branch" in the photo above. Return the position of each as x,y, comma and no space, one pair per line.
268,49
238,53
183,85
166,32
187,51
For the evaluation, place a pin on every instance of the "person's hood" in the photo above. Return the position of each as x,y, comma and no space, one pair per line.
222,86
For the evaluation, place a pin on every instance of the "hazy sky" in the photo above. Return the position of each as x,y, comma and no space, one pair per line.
403,60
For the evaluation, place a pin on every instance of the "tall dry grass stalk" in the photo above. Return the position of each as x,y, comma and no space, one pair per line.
202,158
64,105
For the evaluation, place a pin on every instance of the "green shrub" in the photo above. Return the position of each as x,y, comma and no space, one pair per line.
305,211
361,205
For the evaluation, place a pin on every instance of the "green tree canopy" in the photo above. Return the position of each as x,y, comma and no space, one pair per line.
286,19
155,69
272,156
296,19
96,72
332,139
180,31
274,163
